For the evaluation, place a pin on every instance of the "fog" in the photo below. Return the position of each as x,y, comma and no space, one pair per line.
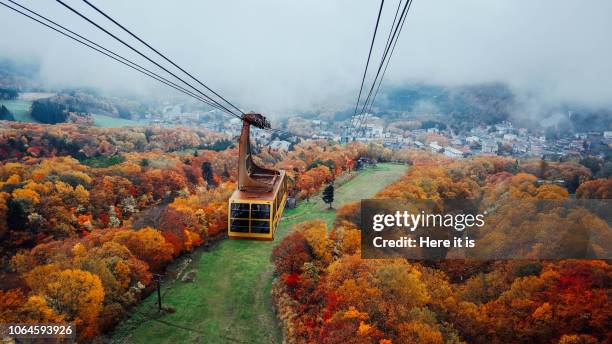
282,56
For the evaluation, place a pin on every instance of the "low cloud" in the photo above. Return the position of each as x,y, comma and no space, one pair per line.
279,56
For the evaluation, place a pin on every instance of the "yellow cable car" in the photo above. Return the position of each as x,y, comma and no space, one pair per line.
255,208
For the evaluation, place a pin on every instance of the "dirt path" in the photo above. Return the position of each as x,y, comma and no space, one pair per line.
229,302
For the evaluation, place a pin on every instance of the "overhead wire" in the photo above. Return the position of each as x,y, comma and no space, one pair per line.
384,57
365,71
164,57
102,50
386,65
394,37
129,63
371,45
399,4
160,54
146,57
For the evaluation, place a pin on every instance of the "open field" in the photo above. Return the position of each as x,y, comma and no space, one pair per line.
229,302
114,122
20,109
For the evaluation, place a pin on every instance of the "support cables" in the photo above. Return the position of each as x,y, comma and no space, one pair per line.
102,50
94,46
148,58
392,50
365,71
386,57
160,54
358,118
201,96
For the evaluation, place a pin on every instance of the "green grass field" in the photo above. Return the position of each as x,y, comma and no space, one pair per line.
229,302
20,109
113,122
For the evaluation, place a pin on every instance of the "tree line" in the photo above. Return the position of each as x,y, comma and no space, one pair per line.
80,242
325,293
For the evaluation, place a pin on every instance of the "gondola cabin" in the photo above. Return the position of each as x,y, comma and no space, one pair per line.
256,207
256,215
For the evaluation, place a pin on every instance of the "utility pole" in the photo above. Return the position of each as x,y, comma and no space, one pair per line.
157,278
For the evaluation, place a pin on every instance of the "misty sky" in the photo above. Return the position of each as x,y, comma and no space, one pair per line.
279,55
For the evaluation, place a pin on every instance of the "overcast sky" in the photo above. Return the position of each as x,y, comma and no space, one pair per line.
279,55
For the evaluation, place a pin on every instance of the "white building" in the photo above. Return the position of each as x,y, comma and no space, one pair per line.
536,149
509,138
280,145
435,147
489,146
452,152
472,139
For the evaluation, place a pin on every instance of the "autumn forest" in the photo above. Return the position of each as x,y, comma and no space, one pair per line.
88,215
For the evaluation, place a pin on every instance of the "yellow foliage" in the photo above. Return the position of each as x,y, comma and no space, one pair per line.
315,233
11,168
13,179
78,250
81,194
26,195
79,294
36,310
543,313
578,339
122,273
364,328
63,189
353,313
549,191
416,332
38,277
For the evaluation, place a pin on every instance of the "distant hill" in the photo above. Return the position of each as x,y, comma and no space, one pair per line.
463,107
8,93
458,106
18,75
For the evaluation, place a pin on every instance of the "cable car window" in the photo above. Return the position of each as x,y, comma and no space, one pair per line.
260,226
260,211
240,210
241,226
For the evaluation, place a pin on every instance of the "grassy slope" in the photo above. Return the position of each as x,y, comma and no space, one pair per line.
114,122
20,109
229,302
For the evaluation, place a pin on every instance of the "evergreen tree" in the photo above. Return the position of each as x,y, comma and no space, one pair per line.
328,195
5,114
208,174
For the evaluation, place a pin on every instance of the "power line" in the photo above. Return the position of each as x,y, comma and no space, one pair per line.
118,58
174,64
146,57
106,51
394,37
386,65
365,71
399,4
160,54
386,51
386,44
